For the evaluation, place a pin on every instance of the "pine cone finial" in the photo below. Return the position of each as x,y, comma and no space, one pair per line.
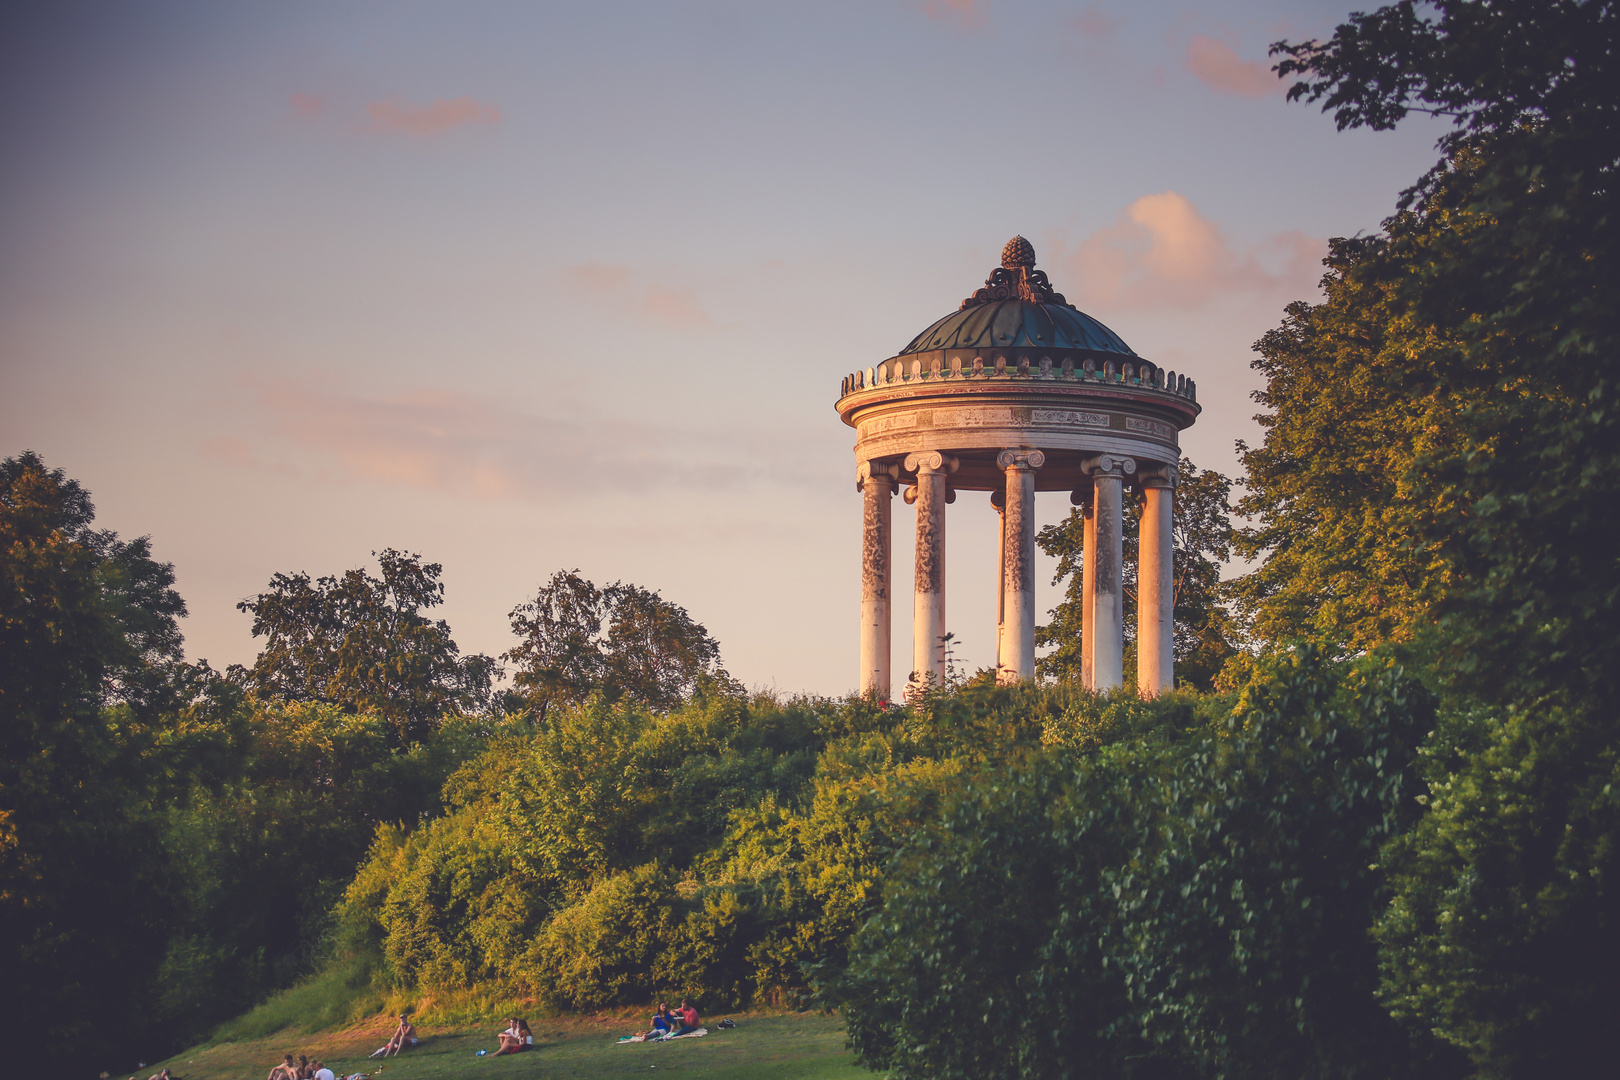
1018,252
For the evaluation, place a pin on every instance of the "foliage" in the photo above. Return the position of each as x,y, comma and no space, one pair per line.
86,621
1168,902
1498,278
1504,931
714,850
361,643
1205,636
1442,464
650,649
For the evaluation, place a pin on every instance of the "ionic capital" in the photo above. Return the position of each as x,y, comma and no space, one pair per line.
1157,476
930,461
1021,460
1108,465
870,470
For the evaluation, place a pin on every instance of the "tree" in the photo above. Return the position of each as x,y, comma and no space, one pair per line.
1442,462
1346,546
1205,636
1499,276
621,641
87,622
361,643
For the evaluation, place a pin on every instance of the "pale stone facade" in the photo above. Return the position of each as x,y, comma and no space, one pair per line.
1017,393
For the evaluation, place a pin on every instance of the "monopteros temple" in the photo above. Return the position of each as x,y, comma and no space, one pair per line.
1019,392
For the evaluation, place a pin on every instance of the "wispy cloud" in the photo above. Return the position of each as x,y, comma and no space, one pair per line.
965,14
1219,65
427,120
1163,253
675,308
598,278
306,106
452,443
1095,24
667,305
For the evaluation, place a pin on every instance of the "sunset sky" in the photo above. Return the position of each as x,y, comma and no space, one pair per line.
533,286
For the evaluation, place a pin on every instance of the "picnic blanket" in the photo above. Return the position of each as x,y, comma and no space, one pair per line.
662,1038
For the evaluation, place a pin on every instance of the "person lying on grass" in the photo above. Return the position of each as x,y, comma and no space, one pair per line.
689,1018
404,1036
515,1039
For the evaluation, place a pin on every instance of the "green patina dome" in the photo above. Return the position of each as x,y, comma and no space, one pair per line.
1009,324
1018,308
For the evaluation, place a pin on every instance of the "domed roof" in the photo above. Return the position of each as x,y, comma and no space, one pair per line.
1017,308
1018,323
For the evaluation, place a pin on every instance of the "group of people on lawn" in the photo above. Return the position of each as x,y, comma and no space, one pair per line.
302,1069
682,1021
515,1039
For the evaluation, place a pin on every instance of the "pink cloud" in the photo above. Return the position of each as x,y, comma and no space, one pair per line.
598,277
1219,66
1163,253
306,106
670,306
966,14
1096,24
676,308
434,119
452,443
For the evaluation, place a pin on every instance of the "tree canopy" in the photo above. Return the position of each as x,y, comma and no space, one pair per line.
361,643
620,641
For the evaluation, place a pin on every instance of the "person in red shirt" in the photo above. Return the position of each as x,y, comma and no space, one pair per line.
689,1017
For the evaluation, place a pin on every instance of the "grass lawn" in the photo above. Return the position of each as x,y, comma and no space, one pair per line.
791,1046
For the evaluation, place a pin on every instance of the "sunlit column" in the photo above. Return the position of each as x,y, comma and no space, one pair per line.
1088,587
876,483
1156,590
928,615
1018,565
998,500
1108,609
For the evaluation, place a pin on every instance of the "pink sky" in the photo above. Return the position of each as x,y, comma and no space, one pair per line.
528,287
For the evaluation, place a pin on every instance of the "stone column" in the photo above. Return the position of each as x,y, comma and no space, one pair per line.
998,500
1018,565
1107,647
1155,587
876,484
1088,588
928,616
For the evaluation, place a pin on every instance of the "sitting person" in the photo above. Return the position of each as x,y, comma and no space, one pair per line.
164,1075
515,1039
321,1071
689,1018
661,1022
404,1036
306,1068
287,1070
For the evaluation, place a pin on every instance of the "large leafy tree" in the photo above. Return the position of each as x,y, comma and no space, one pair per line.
89,649
1442,462
1205,635
621,641
1496,323
362,643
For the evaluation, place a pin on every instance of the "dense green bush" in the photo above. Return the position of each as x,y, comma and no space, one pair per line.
1178,898
1503,933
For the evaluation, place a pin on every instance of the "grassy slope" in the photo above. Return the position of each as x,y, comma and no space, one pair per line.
795,1046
